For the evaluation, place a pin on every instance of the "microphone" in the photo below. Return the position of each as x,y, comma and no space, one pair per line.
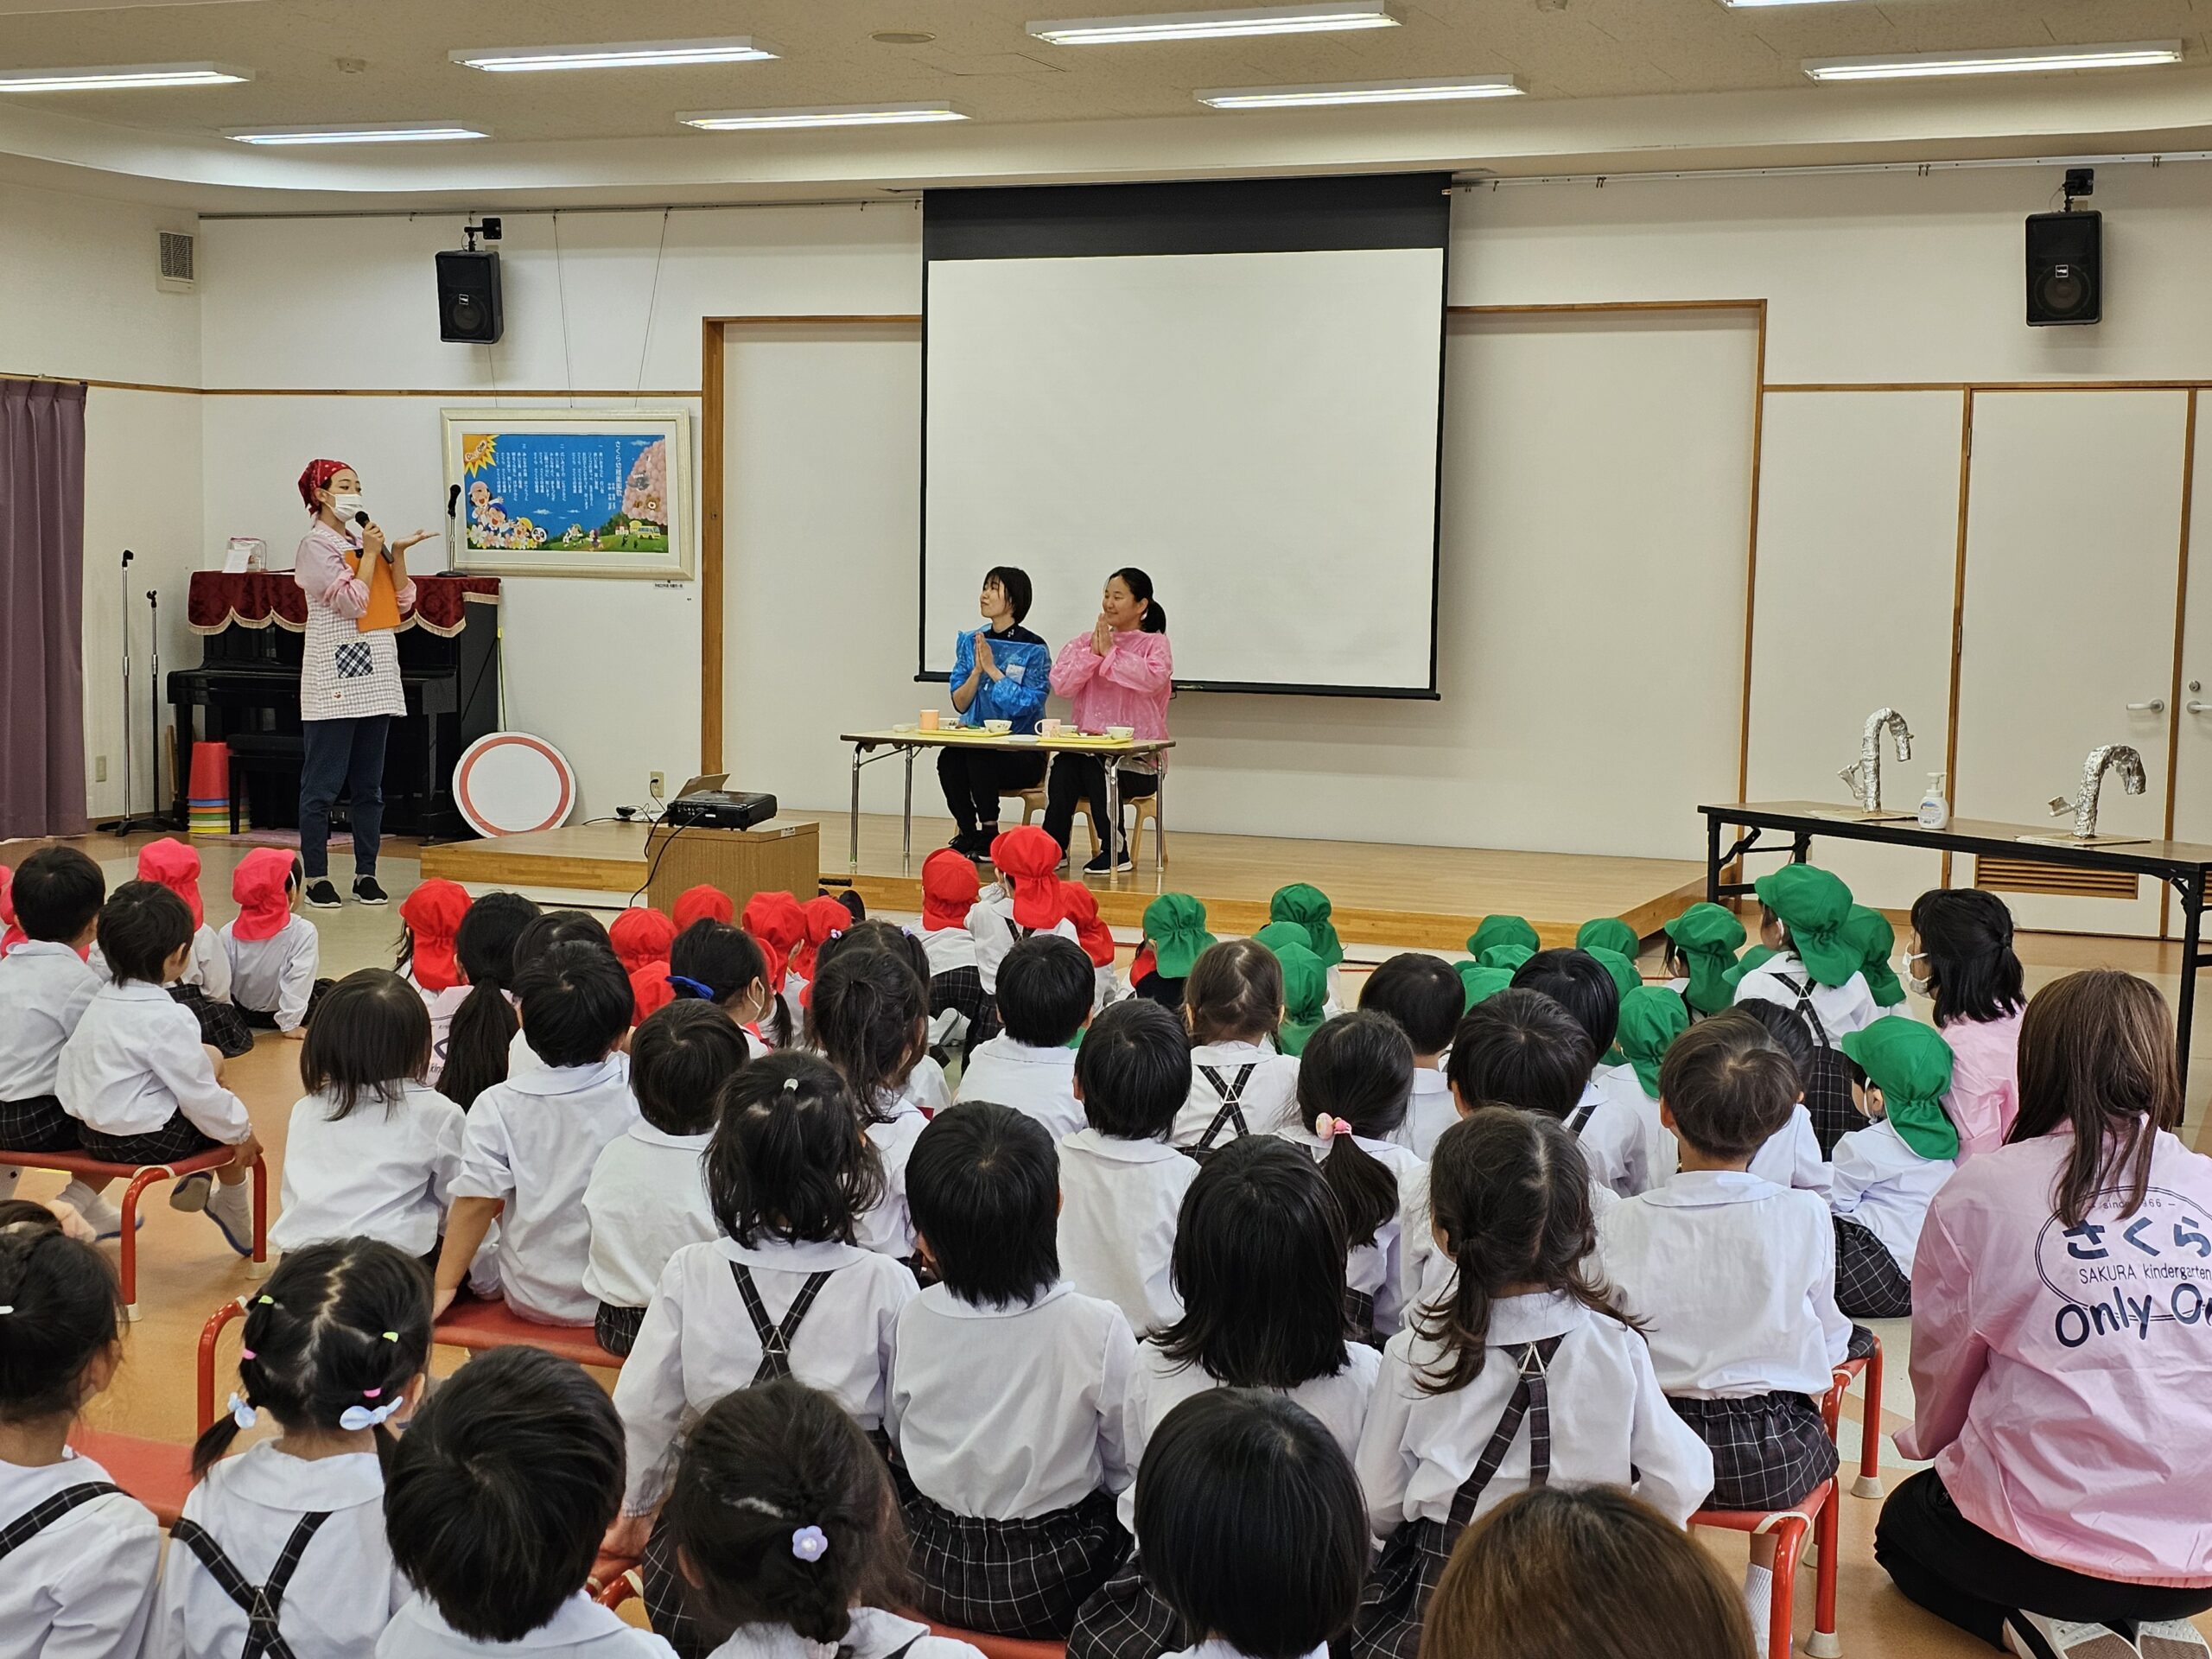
362,519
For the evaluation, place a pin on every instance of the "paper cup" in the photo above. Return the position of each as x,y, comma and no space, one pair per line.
929,720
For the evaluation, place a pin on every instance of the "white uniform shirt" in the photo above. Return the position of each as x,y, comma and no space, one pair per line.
83,1588
209,970
1376,1268
1429,1112
647,1199
1841,1008
1037,1083
1662,1152
442,1007
1011,1413
1886,1187
991,924
275,975
926,1087
1339,1402
948,948
44,991
1610,1424
135,1062
1734,1278
889,1228
385,1169
1268,1102
344,1589
1613,1142
1119,1201
581,1629
697,1344
1791,1155
531,1142
874,1635
522,1058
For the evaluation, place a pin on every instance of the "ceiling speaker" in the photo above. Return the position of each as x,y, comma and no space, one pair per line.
468,296
2065,269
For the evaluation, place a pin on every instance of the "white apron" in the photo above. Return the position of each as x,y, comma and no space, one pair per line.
344,673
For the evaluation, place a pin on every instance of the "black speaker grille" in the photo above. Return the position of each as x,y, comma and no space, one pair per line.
2065,269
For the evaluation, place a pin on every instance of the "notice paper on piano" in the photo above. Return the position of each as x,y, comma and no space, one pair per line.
246,553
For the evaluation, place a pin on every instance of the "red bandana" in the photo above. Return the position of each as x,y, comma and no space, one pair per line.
319,474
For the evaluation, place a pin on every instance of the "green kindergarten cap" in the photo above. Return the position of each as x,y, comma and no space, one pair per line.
1708,937
1651,1018
1610,932
1910,1064
1175,925
1308,906
1495,931
1814,905
1305,997
1275,935
1872,936
1481,982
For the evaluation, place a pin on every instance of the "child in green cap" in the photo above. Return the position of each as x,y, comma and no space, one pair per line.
1701,946
1872,936
1504,941
1307,905
1175,936
1887,1173
1816,971
1610,933
1304,997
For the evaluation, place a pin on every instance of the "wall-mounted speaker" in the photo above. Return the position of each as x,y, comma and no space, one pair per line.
2065,269
468,296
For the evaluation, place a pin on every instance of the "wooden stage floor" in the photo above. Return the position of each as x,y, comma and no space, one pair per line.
1428,898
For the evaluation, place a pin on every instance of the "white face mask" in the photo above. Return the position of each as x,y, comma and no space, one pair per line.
346,506
1901,966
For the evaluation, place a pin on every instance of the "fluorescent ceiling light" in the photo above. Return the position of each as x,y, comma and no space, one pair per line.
857,115
119,75
1215,25
635,54
414,132
1440,89
2002,60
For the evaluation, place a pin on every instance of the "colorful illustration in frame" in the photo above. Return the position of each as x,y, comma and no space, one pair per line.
584,493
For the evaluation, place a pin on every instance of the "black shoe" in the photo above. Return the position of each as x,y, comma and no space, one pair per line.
366,891
970,843
1102,865
320,896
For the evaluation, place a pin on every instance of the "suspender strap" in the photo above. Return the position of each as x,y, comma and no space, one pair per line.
1231,1093
775,1339
1531,1400
1580,1116
1806,1011
259,1602
42,1515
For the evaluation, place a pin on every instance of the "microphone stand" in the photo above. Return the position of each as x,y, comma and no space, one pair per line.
155,819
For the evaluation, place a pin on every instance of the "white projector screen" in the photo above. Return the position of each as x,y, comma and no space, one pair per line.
1258,431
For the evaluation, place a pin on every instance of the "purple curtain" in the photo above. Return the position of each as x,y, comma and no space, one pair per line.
42,608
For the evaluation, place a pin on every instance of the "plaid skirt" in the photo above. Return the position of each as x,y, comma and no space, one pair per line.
221,1026
617,1327
178,1138
1768,1450
260,1019
1011,1577
1869,1284
1125,1618
38,1124
1827,1100
961,991
1388,1624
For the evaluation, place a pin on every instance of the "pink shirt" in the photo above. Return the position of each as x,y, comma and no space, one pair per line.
1127,686
1985,1093
320,569
2060,1376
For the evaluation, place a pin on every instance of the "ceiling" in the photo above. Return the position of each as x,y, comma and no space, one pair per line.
1627,80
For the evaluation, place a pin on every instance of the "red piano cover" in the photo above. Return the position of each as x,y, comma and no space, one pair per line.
255,598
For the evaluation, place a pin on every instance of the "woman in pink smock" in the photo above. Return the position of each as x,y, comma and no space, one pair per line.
1961,955
1119,674
2062,1321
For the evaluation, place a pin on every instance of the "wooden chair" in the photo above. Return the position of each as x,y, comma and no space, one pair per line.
1033,806
140,1176
478,1326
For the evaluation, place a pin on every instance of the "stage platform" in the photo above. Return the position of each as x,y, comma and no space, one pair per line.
1423,897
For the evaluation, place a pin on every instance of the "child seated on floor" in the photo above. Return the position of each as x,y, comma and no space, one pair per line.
1175,936
480,1038
722,965
204,985
143,1087
1121,1183
959,1011
1007,1386
1045,986
776,923
430,920
1504,941
641,937
1097,940
1425,996
1791,1155
1815,971
1026,900
1308,906
1887,1173
1652,1017
1701,946
1240,1084
531,1142
494,1506
273,949
372,1150
46,985
537,937
1609,1124
868,1016
1305,998
647,1195
1733,1279
1526,1370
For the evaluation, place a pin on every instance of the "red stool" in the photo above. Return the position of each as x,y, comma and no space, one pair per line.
140,1176
222,1316
615,1581
1869,1481
477,1325
156,1472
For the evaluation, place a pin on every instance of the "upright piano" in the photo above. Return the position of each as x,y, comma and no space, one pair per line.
247,688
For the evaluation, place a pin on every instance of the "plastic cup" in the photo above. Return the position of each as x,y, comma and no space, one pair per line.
928,720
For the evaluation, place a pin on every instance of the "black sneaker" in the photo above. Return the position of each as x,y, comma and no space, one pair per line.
366,891
1102,865
970,843
320,896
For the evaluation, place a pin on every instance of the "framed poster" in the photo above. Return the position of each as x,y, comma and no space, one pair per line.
589,492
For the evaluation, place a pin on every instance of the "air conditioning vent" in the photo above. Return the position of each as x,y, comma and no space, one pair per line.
2025,876
173,269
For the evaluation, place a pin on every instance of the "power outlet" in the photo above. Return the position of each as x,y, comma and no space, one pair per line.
99,768
656,782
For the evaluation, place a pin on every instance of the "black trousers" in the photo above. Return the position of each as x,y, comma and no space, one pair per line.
1953,1569
975,778
1084,776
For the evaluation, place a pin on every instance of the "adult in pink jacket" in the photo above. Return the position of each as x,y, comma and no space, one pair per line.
1119,674
2061,1348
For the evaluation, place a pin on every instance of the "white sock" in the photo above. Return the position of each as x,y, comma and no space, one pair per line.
1758,1602
230,1198
87,1203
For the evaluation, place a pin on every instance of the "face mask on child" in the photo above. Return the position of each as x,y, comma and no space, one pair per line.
1901,966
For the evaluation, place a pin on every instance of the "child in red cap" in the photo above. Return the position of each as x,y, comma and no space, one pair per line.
960,1011
1095,937
206,986
702,903
430,919
779,927
642,936
1026,900
273,951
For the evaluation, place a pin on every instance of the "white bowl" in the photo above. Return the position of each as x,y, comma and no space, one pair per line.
1121,734
998,728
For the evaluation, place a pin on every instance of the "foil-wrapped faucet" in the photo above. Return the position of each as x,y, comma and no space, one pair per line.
2084,804
1864,776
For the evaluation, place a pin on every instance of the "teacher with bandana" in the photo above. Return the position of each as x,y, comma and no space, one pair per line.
356,591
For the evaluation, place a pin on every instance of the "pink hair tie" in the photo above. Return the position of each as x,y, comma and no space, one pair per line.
1329,1127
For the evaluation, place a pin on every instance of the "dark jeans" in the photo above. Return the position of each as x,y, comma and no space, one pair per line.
1083,776
975,778
347,755
1952,1568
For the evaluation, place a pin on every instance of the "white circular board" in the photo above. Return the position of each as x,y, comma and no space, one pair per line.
510,783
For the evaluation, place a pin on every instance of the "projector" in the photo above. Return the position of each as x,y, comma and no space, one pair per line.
720,808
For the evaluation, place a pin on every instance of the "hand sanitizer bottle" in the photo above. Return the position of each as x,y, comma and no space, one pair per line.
1934,810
